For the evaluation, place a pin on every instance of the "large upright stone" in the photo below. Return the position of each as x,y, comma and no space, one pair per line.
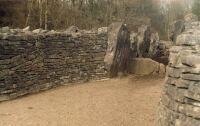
118,50
179,26
143,40
176,29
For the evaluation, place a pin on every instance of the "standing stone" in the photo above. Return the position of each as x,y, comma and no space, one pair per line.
180,26
118,49
143,40
144,43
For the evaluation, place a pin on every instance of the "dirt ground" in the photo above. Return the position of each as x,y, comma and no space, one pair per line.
129,101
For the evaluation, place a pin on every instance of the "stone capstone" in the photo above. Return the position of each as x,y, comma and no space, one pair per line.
146,66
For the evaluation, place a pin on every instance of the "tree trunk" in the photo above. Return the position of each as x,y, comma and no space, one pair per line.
46,15
29,12
41,12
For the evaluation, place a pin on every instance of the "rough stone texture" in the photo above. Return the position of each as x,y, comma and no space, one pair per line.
33,62
146,43
134,46
180,101
176,29
141,41
179,26
118,51
161,51
146,66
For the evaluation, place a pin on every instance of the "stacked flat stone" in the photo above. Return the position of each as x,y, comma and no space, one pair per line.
31,62
180,101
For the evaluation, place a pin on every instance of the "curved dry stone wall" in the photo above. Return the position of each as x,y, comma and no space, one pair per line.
180,102
39,60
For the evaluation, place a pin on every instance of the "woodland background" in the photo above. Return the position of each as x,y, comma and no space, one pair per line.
89,14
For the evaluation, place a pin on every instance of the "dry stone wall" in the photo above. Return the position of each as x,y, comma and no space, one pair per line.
38,61
180,102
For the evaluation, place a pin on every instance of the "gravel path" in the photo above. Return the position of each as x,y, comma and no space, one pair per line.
130,101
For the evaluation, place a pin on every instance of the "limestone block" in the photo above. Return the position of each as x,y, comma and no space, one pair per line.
166,116
174,72
145,66
190,18
188,39
191,70
193,95
192,77
176,94
191,60
174,60
118,50
26,29
37,31
183,120
162,69
5,29
184,83
193,102
189,110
